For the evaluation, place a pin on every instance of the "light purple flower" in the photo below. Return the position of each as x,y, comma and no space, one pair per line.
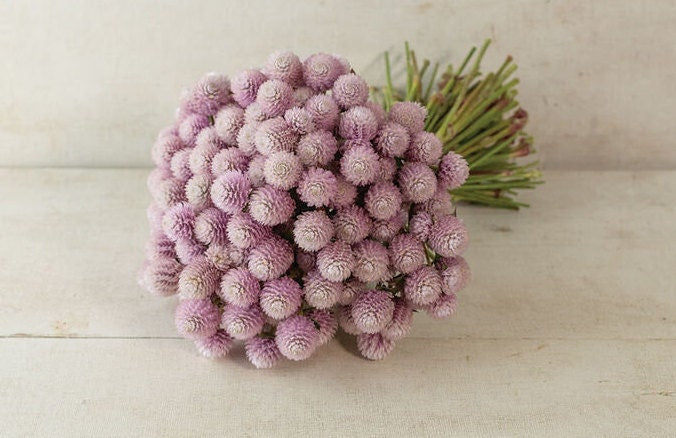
210,226
422,286
168,192
239,287
270,259
453,171
317,148
164,148
448,237
225,256
300,120
296,337
351,289
346,193
411,115
420,225
188,249
393,140
358,123
400,324
317,187
439,205
352,224
207,146
371,261
198,191
284,66
350,90
216,345
455,274
179,164
406,253
359,165
229,159
385,230
312,230
191,126
281,297
328,324
374,346
256,171
282,170
246,138
271,206
319,292
245,86
372,310
383,200
228,122
346,322
324,111
443,307
244,232
209,94
335,261
160,276
274,135
198,279
305,260
417,182
425,147
320,71
262,352
388,168
230,191
301,96
377,111
254,114
159,246
243,323
196,319
154,213
179,221
274,97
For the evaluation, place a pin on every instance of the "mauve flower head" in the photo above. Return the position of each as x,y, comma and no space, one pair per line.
420,224
297,337
207,146
359,165
271,206
425,147
350,90
324,111
179,221
198,279
422,286
377,111
388,168
209,94
384,230
352,224
191,126
262,352
321,70
312,230
179,165
439,205
225,256
239,287
455,274
198,190
410,115
317,148
346,193
246,139
351,289
317,187
305,260
417,182
301,96
254,114
358,123
164,148
383,200
159,246
448,237
285,66
335,261
187,249
274,97
256,171
371,261
443,307
372,310
374,346
346,145
228,122
210,226
327,322
168,192
245,86
281,297
243,322
300,120
244,232
229,159
270,259
274,135
160,276
196,319
216,345
230,191
406,253
393,140
346,322
400,324
319,292
282,170
453,171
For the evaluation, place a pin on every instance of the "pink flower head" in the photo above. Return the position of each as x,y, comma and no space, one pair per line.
317,187
346,193
164,148
317,148
346,322
243,322
274,97
359,165
256,171
188,249
374,346
319,292
207,146
281,297
439,205
423,286
372,310
388,168
207,96
448,237
274,135
417,182
230,191
168,192
453,171
215,346
350,291
244,232
229,159
371,261
410,115
159,246
239,287
198,191
324,111
228,122
271,206
297,337
455,274
352,224
392,140
160,276
196,319
406,253
284,66
358,123
270,259
383,200
377,111
320,71
312,230
400,324
262,352
385,230
350,90
179,164
191,126
300,120
443,307
245,86
328,324
198,279
335,261
346,145
425,147
210,226
420,225
305,260
179,221
224,257
282,170
301,96
254,114
246,138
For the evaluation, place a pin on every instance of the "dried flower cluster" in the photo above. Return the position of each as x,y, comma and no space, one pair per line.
286,205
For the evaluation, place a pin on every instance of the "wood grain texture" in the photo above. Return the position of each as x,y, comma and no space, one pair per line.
90,82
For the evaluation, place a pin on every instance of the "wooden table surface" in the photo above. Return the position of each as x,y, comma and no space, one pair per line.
568,328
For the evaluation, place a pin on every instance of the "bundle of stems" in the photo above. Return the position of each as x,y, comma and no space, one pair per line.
476,116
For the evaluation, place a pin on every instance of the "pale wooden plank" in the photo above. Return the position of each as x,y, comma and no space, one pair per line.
85,387
591,259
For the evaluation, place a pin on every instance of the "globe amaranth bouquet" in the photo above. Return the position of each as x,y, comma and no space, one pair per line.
287,205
